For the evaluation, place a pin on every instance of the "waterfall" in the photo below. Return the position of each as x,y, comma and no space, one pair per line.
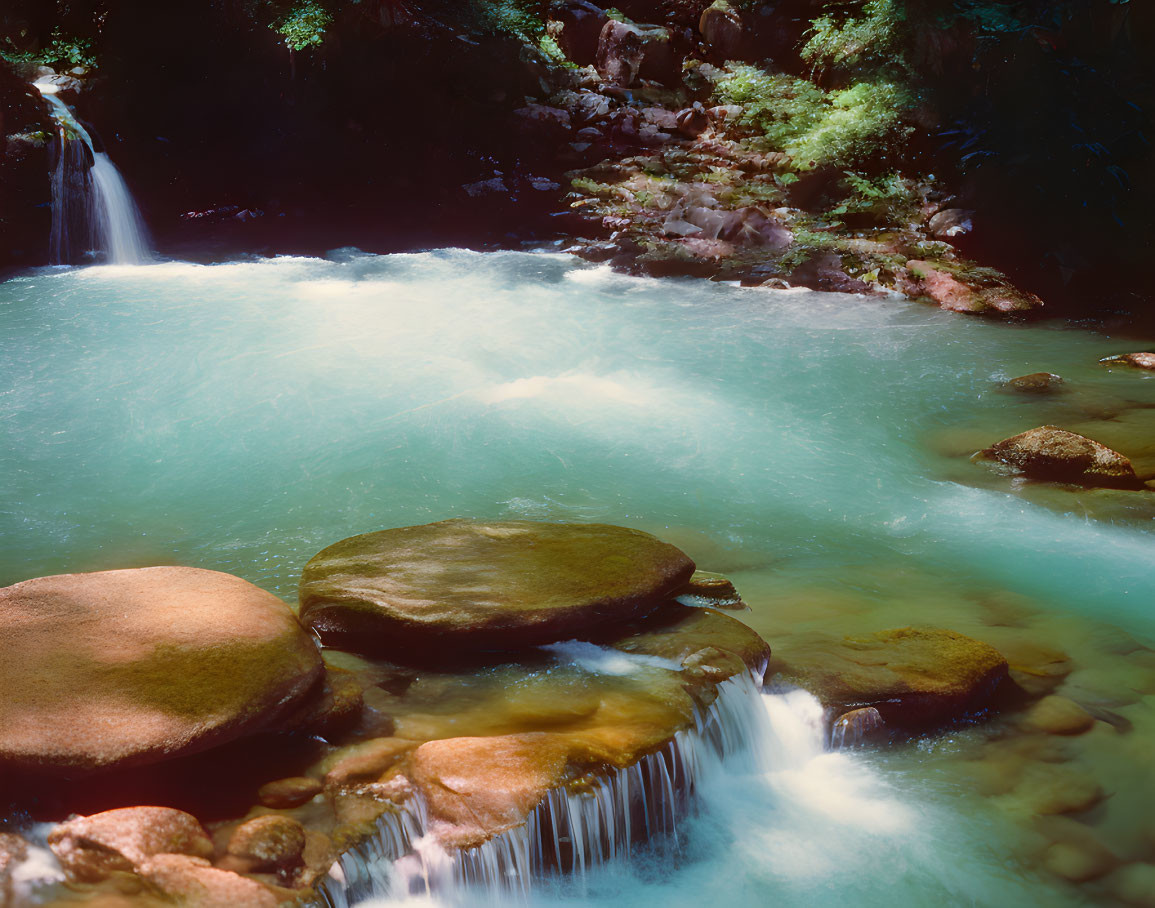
92,208
573,832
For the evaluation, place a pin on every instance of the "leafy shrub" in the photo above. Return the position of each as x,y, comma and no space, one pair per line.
816,128
872,37
62,49
304,25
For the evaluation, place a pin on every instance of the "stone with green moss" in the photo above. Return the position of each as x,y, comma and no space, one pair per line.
120,668
462,585
914,677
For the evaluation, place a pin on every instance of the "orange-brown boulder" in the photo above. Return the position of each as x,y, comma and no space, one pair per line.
193,882
268,843
285,794
91,848
120,668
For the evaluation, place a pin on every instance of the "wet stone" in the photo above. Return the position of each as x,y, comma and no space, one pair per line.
1134,885
1055,715
195,883
366,761
268,843
709,589
1055,455
1036,383
1078,863
1143,360
912,676
285,794
461,586
91,848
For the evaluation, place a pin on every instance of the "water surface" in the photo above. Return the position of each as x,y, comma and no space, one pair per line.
243,416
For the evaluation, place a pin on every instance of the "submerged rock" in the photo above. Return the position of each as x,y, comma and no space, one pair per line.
285,794
1055,715
466,586
1134,885
92,848
1036,383
1138,360
912,676
1079,862
479,787
122,668
268,843
695,637
194,882
1056,455
366,761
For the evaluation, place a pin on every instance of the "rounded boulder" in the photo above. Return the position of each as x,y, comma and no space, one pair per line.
122,668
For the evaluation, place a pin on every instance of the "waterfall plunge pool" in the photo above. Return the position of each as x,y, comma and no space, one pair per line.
812,446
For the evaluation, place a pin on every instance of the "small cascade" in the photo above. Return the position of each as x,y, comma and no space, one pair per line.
570,831
852,729
92,208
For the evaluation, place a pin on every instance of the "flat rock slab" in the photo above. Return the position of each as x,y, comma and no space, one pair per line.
913,677
122,668
462,585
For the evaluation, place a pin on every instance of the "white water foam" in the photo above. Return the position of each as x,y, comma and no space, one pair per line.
569,832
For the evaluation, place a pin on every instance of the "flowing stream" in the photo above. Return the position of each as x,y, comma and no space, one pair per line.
93,212
813,446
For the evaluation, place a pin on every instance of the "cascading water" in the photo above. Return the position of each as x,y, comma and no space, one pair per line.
92,208
570,832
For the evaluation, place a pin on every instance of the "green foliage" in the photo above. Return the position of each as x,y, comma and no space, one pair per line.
304,25
872,37
890,196
996,18
520,18
69,49
814,127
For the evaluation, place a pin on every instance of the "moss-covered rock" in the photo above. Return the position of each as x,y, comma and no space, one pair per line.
913,677
1056,455
463,585
121,668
